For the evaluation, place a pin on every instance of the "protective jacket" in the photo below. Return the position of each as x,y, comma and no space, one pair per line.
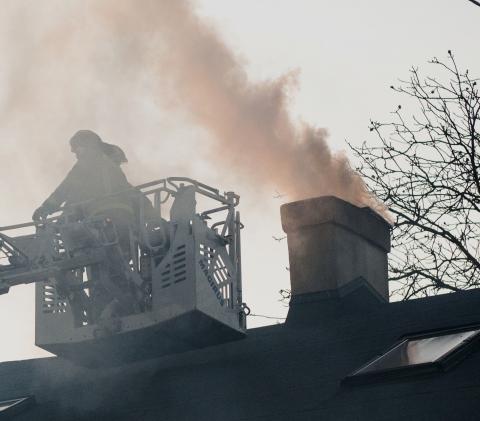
91,184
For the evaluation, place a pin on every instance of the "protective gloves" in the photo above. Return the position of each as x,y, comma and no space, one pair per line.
41,213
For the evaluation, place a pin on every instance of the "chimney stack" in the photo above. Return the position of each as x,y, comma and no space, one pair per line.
332,242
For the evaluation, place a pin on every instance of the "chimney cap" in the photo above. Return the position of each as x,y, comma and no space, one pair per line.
363,221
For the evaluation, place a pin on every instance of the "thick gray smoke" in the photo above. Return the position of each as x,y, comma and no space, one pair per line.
109,64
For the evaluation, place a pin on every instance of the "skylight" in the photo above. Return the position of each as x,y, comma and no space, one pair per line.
429,351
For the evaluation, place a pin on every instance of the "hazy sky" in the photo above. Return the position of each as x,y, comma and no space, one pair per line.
344,54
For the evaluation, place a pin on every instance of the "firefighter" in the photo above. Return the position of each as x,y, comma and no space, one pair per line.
89,189
96,187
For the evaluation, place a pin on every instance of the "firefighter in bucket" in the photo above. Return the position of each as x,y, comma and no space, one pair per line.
97,189
92,183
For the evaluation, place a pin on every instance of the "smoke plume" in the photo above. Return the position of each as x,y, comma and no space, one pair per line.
106,65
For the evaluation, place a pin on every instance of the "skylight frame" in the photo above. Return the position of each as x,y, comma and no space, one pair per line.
15,406
441,364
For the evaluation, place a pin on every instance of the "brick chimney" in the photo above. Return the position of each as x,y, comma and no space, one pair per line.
332,243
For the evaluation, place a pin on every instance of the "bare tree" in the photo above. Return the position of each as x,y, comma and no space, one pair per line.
426,168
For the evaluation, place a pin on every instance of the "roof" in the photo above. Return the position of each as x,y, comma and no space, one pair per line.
290,371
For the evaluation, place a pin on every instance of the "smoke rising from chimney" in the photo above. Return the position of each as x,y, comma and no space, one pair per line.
83,64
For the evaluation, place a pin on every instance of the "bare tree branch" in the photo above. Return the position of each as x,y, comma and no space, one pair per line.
475,2
426,168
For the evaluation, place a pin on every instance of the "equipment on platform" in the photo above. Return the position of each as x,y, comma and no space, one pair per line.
176,286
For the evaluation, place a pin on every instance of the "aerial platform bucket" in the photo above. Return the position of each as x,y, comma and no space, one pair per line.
193,284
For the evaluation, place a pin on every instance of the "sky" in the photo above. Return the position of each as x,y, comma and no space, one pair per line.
329,63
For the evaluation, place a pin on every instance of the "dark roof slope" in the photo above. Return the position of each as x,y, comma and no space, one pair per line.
291,371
